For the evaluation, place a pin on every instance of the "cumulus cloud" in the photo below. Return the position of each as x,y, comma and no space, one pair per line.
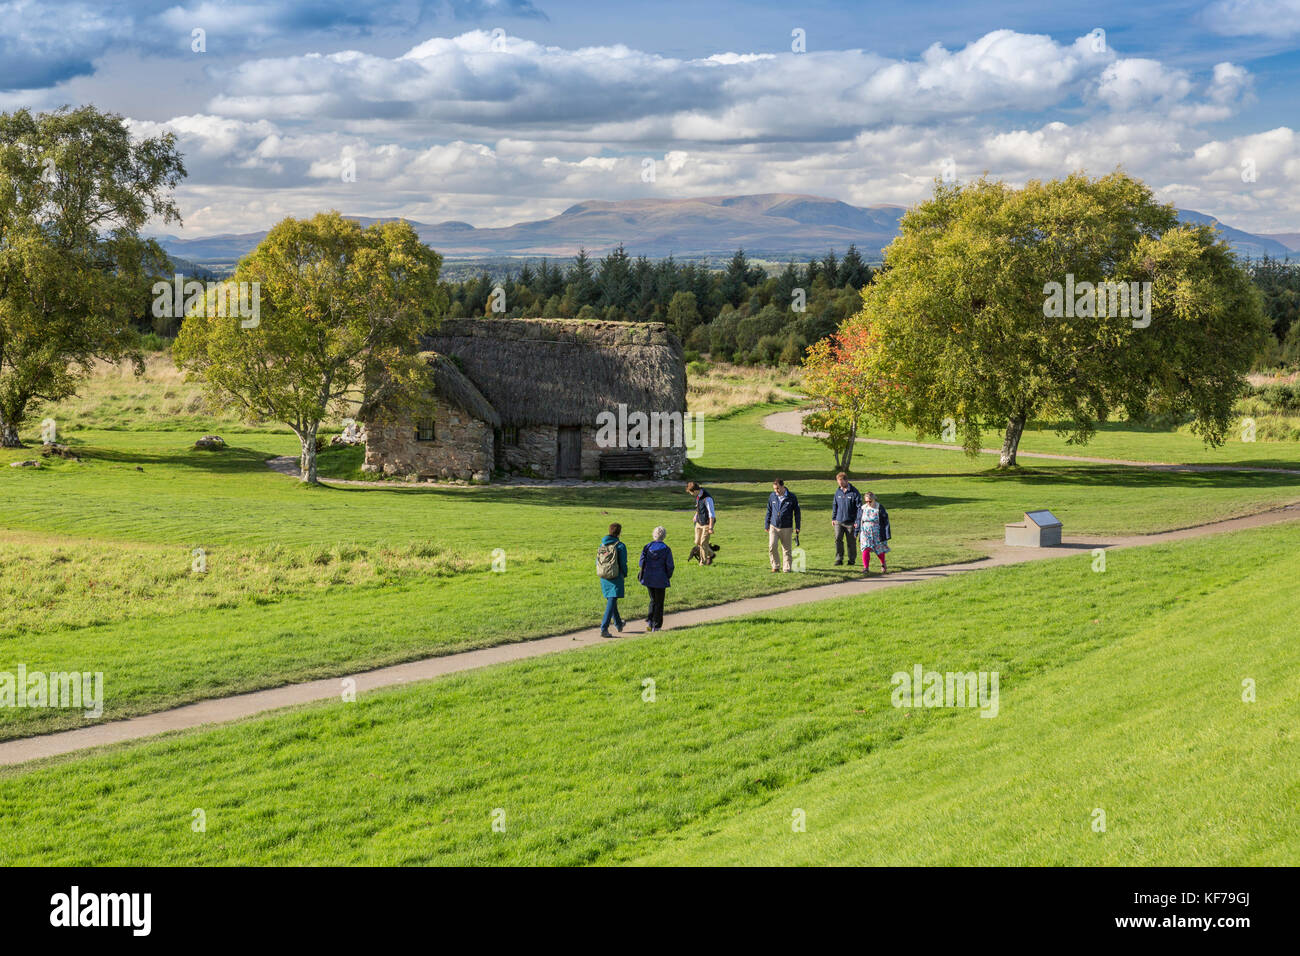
1230,83
483,80
495,129
1130,83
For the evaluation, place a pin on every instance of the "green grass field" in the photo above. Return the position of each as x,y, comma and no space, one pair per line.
1119,691
304,583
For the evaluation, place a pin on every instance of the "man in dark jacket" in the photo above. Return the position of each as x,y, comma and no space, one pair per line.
781,523
844,518
705,518
657,575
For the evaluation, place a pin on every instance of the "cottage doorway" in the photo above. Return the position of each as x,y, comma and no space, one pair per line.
568,453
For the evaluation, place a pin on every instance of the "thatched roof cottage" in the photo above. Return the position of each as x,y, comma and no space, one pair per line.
537,397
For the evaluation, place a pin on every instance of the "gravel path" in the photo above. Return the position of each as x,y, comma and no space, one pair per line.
791,423
225,709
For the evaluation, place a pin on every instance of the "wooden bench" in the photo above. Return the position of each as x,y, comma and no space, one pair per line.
626,463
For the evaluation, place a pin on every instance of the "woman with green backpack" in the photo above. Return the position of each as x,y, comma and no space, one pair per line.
611,568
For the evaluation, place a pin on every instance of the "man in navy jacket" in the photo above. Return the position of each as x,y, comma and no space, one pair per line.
844,518
781,524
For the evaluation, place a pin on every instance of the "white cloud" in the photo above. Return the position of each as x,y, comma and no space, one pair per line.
506,84
1130,83
1230,83
1269,18
498,130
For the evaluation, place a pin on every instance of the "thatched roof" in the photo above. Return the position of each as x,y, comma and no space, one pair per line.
563,371
454,388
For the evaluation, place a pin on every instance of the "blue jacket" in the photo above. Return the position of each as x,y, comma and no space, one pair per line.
656,565
614,588
782,512
846,505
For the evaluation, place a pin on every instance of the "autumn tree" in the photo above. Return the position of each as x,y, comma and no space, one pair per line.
341,310
836,378
75,190
1065,300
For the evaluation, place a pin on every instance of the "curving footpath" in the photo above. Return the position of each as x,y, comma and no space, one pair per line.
791,423
225,709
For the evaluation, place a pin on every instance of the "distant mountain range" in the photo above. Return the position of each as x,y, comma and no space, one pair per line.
775,226
1289,239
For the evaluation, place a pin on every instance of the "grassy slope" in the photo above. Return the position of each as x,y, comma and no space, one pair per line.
305,583
114,397
1152,729
1119,690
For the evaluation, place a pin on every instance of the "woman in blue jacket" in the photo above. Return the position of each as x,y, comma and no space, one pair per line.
656,574
611,568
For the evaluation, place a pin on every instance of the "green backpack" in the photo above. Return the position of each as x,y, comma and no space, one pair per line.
607,562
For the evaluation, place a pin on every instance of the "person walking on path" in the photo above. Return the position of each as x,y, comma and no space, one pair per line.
844,517
873,532
656,574
781,524
611,568
705,518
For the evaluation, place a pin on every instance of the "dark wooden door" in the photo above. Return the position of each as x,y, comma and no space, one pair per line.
568,453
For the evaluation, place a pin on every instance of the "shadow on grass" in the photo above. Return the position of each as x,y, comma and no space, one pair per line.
231,460
672,497
1118,476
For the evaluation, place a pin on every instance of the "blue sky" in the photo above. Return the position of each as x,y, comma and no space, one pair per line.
495,112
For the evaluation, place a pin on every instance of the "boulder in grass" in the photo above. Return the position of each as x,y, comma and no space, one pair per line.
210,443
25,464
54,449
352,434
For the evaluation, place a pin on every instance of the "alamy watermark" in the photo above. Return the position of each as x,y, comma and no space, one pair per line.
1098,300
922,688
76,908
636,429
59,689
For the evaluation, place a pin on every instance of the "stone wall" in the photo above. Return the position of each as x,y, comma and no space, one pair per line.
668,462
536,451
462,448
465,449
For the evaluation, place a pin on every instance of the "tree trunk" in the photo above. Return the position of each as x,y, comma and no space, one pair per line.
848,449
9,435
307,462
1011,443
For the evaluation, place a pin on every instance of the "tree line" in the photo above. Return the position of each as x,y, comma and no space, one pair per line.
739,313
1278,281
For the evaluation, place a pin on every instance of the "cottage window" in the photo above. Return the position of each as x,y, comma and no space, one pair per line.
424,430
510,435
